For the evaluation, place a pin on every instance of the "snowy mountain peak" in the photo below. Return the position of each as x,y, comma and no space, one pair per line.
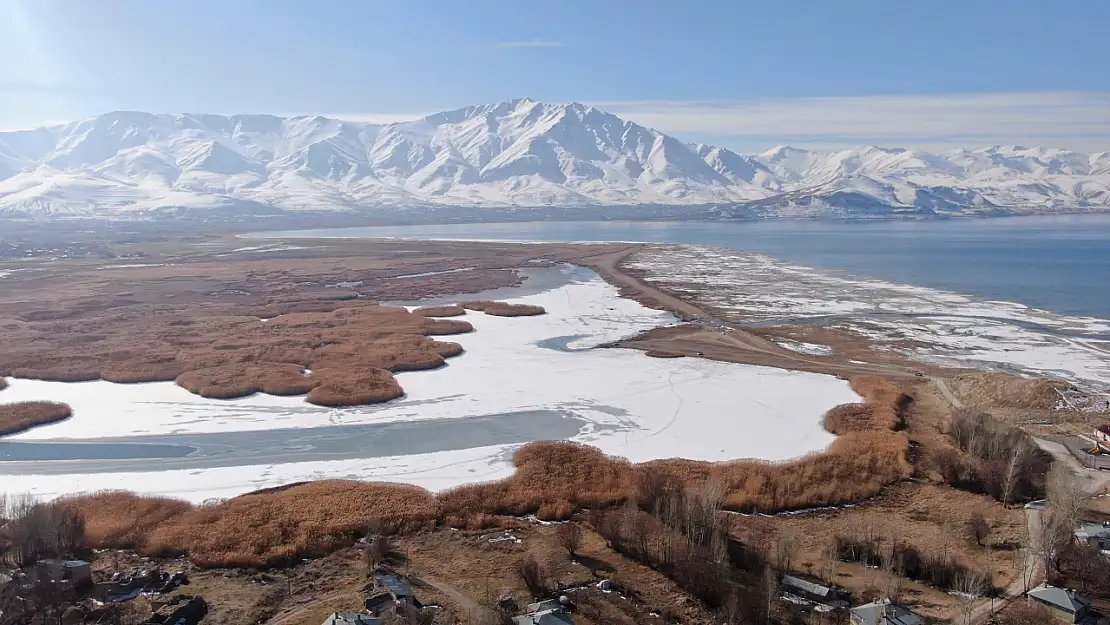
519,152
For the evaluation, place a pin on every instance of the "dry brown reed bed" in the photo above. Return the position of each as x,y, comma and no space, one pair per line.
504,309
552,479
659,353
22,416
452,310
351,351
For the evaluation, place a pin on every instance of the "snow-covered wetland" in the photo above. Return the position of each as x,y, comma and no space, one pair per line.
925,324
520,379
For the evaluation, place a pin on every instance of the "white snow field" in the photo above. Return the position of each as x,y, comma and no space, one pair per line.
634,406
930,325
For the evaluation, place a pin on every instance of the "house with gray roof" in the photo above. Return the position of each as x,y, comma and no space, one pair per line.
1095,534
340,618
544,613
884,613
1064,604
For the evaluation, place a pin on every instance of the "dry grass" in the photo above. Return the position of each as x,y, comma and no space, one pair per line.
22,416
122,520
552,479
452,310
504,309
659,353
240,380
350,350
307,520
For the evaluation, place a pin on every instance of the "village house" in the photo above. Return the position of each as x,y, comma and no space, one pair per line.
77,572
884,613
1095,534
795,588
1064,604
549,612
341,618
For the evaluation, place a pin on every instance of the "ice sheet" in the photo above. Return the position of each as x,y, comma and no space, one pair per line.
634,406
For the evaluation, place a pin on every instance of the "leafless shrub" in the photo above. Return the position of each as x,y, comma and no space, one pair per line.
978,528
569,536
534,576
37,530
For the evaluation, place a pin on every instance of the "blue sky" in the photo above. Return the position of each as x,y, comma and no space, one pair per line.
748,75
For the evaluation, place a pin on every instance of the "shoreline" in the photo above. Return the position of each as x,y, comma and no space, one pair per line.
703,336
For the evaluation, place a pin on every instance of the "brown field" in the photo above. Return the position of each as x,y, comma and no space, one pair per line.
225,324
451,310
502,309
22,416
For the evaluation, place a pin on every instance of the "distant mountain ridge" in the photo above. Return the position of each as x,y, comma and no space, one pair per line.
518,153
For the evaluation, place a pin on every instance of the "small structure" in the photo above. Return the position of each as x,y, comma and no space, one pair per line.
181,610
1064,604
1102,434
548,612
1095,534
350,618
397,588
797,588
78,572
884,613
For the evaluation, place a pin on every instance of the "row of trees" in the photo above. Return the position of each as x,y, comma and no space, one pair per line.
999,460
31,530
682,533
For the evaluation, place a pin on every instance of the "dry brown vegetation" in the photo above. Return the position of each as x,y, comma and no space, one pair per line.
450,310
504,309
3,384
225,324
22,416
311,519
659,353
552,479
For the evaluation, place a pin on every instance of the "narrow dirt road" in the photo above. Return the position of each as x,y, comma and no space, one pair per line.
942,386
709,337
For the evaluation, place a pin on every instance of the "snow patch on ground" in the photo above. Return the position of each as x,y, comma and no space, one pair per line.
812,349
927,324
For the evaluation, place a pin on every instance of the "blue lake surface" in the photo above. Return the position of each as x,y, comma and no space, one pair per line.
1058,263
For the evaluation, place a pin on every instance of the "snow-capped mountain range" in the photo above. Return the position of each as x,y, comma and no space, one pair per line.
519,153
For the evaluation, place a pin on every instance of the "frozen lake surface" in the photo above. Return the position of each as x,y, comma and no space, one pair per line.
520,379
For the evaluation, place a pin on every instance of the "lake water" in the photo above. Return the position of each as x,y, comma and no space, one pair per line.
1061,264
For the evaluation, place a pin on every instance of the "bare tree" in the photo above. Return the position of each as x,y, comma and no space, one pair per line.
830,560
1066,494
534,576
969,588
978,528
893,571
1024,613
1010,475
786,550
569,536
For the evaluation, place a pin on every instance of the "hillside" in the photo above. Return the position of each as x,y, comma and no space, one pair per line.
519,153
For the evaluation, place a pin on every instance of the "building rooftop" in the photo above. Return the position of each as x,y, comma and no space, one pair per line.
395,585
886,613
1093,530
1063,598
812,588
340,618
